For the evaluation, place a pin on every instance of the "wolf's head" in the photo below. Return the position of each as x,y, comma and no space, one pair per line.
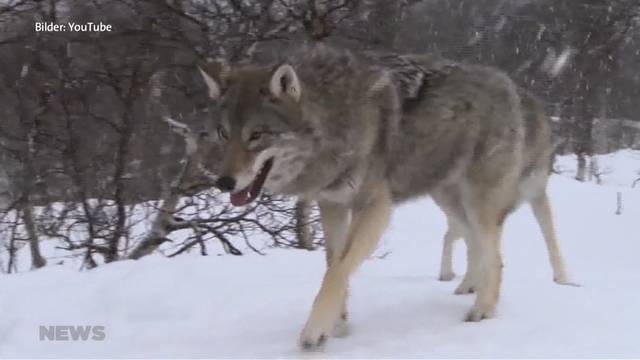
260,125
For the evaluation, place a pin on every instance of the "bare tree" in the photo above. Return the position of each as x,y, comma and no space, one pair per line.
88,164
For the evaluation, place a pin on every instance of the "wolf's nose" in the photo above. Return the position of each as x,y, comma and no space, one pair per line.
226,183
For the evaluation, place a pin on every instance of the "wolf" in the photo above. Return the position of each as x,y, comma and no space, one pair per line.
360,134
534,179
409,72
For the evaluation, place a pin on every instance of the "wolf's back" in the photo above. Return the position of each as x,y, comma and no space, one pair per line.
459,121
413,72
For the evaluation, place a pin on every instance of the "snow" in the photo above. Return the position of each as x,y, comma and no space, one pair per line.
621,168
561,62
255,306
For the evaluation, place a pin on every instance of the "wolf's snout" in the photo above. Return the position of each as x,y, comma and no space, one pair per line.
226,183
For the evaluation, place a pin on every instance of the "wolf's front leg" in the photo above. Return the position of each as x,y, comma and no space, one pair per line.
365,230
335,220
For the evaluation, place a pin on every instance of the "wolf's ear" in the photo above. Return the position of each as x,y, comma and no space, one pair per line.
285,82
215,75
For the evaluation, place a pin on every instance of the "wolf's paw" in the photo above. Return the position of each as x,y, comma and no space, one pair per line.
313,338
341,329
447,276
478,313
465,288
563,280
313,344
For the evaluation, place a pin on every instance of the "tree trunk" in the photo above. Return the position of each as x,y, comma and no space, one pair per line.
594,170
12,247
34,243
304,232
581,174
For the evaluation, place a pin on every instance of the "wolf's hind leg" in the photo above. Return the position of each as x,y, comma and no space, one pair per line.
449,200
487,274
454,232
485,210
365,230
542,211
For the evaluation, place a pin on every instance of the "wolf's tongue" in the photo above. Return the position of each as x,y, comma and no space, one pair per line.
241,198
251,192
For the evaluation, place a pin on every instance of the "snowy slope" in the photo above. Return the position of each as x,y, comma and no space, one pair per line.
255,306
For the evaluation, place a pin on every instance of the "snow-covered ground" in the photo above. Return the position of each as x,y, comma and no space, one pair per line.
254,306
621,168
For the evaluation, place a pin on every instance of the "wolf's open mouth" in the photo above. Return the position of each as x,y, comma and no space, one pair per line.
251,192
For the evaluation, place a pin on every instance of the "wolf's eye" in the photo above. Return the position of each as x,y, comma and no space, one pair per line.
256,135
222,133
